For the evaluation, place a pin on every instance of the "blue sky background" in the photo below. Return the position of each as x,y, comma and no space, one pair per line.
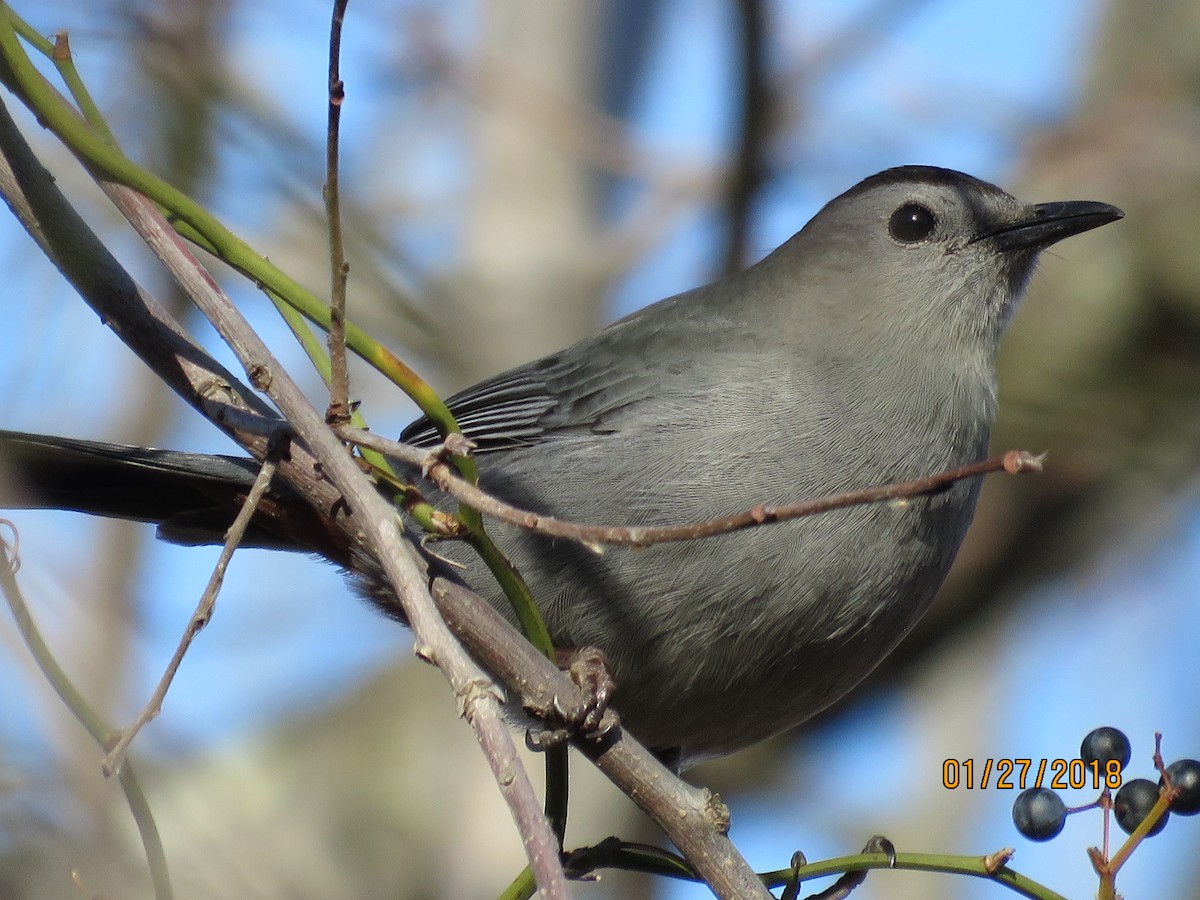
1114,647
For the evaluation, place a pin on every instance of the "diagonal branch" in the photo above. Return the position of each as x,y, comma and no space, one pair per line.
368,520
325,476
695,819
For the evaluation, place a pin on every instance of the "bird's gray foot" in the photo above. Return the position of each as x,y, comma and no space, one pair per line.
588,669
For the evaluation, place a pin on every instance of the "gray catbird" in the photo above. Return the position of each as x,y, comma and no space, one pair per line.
858,353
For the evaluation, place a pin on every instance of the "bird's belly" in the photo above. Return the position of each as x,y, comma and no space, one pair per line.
719,643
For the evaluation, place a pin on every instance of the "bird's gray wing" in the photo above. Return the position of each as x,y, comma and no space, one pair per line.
499,413
555,396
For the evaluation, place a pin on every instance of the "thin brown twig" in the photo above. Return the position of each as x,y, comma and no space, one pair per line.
433,465
1107,869
200,618
339,268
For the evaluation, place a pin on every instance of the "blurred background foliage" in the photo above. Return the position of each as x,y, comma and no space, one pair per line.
516,173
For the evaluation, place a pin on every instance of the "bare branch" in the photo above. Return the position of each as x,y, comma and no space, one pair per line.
695,819
200,618
145,326
339,268
433,466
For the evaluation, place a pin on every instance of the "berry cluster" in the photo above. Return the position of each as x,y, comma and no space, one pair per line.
1039,813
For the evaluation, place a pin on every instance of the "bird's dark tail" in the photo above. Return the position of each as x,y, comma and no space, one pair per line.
192,497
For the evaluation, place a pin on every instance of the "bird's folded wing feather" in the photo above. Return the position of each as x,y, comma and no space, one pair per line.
551,397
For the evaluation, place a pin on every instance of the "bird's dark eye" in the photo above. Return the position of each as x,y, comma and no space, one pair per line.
911,223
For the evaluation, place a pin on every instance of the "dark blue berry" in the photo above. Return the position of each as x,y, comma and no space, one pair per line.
1133,802
1105,744
1039,814
1185,775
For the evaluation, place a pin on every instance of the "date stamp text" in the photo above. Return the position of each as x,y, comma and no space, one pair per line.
1019,774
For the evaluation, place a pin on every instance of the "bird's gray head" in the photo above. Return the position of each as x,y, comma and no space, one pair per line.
930,255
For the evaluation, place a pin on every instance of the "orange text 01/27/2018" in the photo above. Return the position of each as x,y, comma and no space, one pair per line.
1019,774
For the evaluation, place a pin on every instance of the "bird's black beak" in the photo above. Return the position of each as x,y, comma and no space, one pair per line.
1048,223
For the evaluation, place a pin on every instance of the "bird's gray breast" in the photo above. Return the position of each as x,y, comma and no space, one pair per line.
720,642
